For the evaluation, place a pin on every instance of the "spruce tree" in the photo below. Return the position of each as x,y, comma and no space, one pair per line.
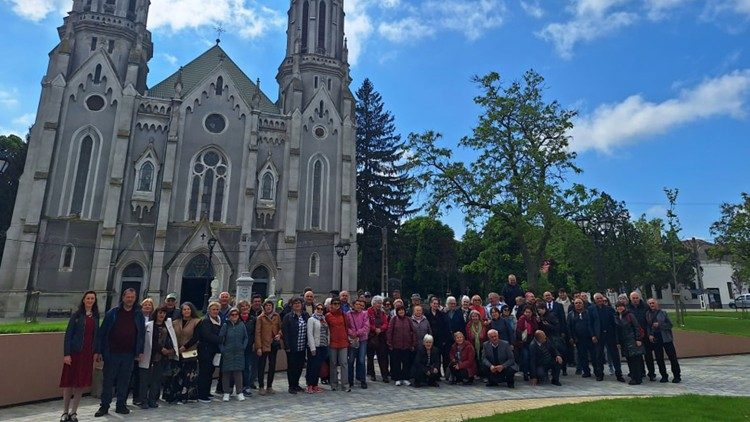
384,186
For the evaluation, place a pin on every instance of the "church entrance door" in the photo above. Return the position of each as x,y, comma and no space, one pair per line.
196,281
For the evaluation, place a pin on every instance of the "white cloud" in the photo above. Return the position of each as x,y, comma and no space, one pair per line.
532,8
172,60
36,10
358,27
405,30
656,211
18,126
658,9
25,120
592,19
614,125
8,99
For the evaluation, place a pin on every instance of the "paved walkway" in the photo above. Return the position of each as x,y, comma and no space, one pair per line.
711,376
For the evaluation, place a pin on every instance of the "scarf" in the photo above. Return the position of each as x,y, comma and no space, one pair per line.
216,321
476,329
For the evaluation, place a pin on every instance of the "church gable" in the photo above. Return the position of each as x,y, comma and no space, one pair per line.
218,83
320,117
98,70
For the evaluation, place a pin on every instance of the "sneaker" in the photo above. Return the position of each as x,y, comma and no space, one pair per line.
334,387
348,389
398,383
225,397
64,417
309,390
122,410
240,397
317,389
406,383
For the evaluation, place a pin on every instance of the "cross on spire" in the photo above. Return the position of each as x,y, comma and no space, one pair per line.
219,30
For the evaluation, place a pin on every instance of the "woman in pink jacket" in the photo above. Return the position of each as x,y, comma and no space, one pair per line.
358,328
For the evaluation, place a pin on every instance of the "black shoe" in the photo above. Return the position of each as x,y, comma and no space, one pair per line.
299,389
292,390
511,385
578,372
143,406
65,417
363,384
676,380
73,417
153,404
664,380
101,412
386,380
556,382
253,387
620,378
373,378
525,377
417,384
122,410
565,372
634,382
325,382
652,377
586,376
452,382
600,378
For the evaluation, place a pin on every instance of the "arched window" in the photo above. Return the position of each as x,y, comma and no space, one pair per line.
67,257
314,264
267,186
320,109
305,22
209,178
317,186
131,7
98,74
322,28
82,175
145,183
132,278
219,86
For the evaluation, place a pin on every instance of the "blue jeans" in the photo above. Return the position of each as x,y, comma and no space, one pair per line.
360,354
250,373
118,368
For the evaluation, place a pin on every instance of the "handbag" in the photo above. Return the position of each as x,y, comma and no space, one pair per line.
189,354
217,359
354,341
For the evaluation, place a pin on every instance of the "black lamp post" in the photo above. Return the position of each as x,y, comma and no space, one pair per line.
211,244
342,248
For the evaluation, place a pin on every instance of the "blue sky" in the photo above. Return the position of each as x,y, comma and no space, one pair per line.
662,86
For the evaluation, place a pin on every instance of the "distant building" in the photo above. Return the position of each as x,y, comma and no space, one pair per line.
124,184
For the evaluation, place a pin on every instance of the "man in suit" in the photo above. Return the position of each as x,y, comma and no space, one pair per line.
604,336
580,329
498,361
544,358
558,310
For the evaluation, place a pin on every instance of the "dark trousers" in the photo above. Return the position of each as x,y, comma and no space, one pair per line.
295,361
506,375
541,372
250,373
118,367
649,357
461,375
445,355
231,379
399,364
659,349
149,381
421,378
635,365
606,341
270,358
205,376
314,363
377,346
583,350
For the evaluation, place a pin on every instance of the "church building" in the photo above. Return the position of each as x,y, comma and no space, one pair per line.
199,177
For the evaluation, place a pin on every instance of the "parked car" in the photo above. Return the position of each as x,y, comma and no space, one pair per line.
741,301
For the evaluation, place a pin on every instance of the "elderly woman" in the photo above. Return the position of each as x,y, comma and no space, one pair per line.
476,305
232,343
147,308
377,342
183,385
527,325
401,339
398,303
501,325
463,364
317,343
158,347
630,336
338,347
208,347
268,342
427,364
78,354
476,334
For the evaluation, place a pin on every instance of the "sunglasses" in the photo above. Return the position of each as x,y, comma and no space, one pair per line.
335,303
319,308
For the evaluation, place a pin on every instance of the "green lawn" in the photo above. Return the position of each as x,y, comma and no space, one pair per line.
715,322
34,327
683,408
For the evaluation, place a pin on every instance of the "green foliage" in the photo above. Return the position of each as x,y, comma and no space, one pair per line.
689,407
732,236
520,174
427,257
13,149
384,186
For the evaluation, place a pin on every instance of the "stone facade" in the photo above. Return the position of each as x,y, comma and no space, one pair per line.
124,184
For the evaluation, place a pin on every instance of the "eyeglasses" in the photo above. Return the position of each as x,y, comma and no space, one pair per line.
319,308
335,304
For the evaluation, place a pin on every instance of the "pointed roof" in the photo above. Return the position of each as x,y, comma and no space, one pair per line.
196,71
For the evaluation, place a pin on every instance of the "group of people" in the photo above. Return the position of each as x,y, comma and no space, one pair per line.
176,352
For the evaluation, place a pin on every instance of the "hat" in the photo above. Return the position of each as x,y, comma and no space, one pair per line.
416,296
172,296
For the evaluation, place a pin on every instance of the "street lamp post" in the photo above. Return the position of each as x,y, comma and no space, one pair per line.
342,248
211,244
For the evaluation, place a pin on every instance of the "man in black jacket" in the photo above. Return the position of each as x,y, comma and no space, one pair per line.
440,326
294,329
604,336
512,290
579,327
639,309
543,359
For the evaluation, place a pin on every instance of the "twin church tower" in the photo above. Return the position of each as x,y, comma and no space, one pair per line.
198,177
